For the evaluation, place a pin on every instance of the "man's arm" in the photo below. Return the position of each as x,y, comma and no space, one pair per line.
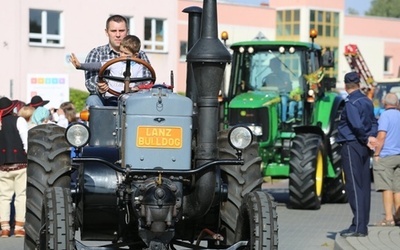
380,140
22,127
355,123
93,66
91,77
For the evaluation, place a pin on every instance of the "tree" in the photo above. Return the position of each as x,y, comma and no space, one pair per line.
384,8
78,98
353,11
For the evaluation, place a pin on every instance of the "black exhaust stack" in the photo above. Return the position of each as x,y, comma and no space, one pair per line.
194,26
208,58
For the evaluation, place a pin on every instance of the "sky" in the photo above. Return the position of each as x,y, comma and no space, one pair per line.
360,5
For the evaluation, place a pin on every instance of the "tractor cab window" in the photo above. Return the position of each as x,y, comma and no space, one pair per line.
275,71
314,62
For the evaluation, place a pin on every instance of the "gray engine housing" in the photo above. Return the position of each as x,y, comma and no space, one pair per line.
156,130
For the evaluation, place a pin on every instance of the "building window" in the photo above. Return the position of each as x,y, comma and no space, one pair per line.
327,23
45,28
155,35
387,66
288,23
183,50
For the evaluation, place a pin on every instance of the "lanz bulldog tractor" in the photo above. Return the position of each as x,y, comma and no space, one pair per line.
153,172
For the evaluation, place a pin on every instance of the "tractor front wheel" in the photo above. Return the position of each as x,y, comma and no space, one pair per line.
57,230
257,222
306,174
242,180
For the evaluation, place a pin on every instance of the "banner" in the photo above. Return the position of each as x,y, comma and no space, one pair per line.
52,87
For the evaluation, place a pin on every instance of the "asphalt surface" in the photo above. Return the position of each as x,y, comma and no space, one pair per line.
320,229
310,229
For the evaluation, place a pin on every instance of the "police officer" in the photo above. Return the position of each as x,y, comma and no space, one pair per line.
356,131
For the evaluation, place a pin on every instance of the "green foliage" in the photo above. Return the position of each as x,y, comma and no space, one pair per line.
384,8
78,98
353,11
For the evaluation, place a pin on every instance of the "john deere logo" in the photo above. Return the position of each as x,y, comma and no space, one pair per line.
244,114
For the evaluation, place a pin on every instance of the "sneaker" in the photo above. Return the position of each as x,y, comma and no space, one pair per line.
298,119
5,233
19,233
290,120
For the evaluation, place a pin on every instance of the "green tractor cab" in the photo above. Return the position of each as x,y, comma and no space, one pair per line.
279,90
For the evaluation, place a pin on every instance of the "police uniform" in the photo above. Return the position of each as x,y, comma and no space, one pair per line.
357,123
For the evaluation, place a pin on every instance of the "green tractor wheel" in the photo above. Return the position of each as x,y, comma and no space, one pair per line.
306,175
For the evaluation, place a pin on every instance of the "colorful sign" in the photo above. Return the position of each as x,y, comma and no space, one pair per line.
52,87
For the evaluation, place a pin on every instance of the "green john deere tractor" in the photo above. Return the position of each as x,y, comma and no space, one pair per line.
302,147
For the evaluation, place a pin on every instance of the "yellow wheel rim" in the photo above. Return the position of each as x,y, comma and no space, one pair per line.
319,172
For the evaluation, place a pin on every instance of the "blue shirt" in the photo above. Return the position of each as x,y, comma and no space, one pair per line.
389,121
357,121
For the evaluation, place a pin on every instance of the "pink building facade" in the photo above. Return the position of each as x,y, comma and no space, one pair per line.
79,30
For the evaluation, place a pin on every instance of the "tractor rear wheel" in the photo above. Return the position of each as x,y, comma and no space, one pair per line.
57,230
334,190
306,174
49,165
241,179
257,222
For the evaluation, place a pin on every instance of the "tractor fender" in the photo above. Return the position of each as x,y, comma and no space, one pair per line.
337,103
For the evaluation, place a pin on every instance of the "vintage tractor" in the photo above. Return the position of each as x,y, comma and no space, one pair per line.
302,147
153,172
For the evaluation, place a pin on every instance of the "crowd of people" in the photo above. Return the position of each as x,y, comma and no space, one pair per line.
362,136
16,118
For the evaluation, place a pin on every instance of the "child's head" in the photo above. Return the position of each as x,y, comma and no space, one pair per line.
130,46
40,115
69,111
26,112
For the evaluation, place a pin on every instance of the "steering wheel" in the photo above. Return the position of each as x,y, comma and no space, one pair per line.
126,79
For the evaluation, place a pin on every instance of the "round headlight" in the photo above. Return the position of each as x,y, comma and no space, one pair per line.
256,130
240,137
250,50
77,134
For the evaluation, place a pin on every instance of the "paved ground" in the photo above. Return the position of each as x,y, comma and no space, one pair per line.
319,229
310,229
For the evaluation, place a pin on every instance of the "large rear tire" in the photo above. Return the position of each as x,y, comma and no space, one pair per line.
241,179
57,230
334,190
257,222
306,174
49,165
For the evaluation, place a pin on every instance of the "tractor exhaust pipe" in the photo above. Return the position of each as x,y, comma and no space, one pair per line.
194,25
208,58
